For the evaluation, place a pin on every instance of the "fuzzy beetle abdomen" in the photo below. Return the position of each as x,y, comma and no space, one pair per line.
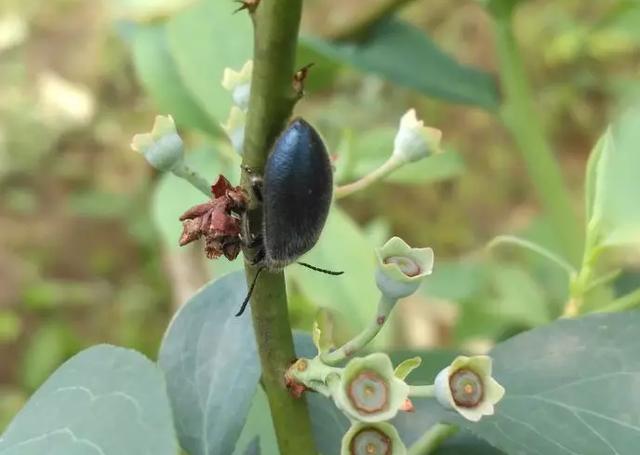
296,192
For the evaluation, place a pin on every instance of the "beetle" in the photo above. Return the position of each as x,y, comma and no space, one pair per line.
295,192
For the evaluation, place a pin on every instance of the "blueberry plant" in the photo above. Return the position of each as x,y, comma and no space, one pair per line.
251,384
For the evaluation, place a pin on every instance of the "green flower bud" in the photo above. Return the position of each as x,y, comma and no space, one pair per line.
413,140
372,439
162,147
369,391
400,268
467,387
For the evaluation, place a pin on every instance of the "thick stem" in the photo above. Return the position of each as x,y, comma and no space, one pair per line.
385,305
521,117
360,25
272,99
432,439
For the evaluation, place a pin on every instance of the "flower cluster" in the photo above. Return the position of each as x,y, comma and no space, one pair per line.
368,390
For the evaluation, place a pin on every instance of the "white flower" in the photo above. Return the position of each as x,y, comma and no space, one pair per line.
400,268
239,84
467,387
235,128
369,391
415,141
162,147
372,439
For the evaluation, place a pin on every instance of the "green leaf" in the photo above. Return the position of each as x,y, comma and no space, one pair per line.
157,71
404,55
615,218
106,400
212,368
203,41
258,426
571,388
342,246
253,448
407,366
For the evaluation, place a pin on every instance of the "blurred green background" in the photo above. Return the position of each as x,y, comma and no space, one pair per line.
89,232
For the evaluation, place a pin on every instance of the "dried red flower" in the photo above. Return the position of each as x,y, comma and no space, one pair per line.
218,221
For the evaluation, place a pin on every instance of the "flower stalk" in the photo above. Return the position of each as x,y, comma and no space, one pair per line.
385,305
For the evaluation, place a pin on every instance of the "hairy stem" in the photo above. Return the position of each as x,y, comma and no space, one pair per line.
432,439
360,25
521,117
272,99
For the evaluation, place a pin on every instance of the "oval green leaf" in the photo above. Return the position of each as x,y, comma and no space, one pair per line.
571,388
212,368
613,183
204,40
159,75
405,55
104,401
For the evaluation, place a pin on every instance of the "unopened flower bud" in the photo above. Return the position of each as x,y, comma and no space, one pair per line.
162,147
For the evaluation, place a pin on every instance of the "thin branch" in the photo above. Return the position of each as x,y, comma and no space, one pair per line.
432,439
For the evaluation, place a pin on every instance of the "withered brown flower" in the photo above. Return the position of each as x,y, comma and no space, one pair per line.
218,220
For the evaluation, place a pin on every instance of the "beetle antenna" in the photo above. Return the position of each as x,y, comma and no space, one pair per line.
318,269
248,297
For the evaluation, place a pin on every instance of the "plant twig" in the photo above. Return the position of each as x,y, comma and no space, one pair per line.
432,439
272,100
385,169
385,305
359,26
512,240
521,117
626,302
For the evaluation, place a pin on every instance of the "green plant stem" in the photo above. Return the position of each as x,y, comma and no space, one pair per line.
626,302
432,439
360,25
520,116
512,240
385,305
385,169
424,391
272,99
198,181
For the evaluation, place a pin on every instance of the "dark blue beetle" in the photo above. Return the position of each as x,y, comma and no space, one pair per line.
296,191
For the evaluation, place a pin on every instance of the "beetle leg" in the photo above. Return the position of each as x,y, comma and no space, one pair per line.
256,186
259,257
255,242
